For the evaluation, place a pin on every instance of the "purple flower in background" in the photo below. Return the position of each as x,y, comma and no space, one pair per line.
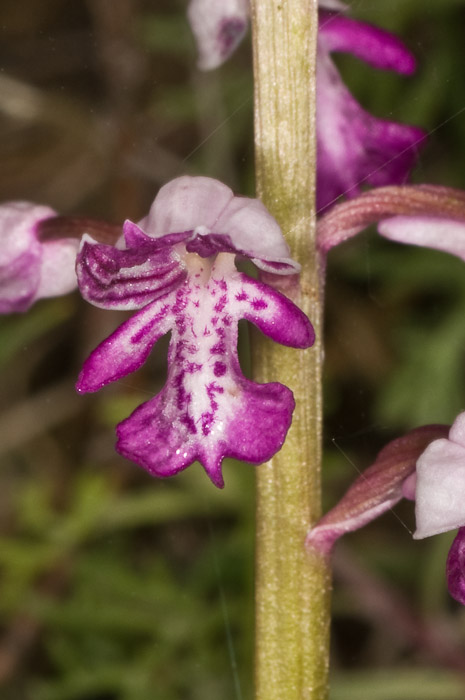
353,147
32,268
178,267
218,26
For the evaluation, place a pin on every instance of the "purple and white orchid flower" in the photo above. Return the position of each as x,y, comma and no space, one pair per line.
178,267
353,147
32,268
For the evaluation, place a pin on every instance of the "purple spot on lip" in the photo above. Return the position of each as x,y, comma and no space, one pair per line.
242,296
219,306
218,349
207,420
259,304
219,369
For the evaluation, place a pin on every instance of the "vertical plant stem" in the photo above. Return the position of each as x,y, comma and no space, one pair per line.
292,586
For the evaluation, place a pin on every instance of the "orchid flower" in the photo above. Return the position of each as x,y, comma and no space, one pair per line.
31,267
439,499
426,465
353,147
177,268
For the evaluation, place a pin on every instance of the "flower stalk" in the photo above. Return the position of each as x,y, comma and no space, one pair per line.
292,585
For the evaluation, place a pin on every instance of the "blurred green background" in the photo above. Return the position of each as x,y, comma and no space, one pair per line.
115,586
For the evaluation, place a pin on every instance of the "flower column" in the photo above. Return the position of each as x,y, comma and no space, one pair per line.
292,586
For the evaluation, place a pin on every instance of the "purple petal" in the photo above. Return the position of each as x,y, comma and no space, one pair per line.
218,26
127,348
259,426
218,222
371,44
273,313
455,567
164,442
127,279
135,237
442,234
353,147
210,244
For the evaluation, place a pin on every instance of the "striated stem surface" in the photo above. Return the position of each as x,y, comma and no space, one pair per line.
292,585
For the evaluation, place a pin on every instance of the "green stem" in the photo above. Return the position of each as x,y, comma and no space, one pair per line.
292,586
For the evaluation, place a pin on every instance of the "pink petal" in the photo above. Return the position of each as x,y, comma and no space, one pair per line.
256,233
20,254
127,348
58,270
218,26
375,46
185,204
440,504
353,147
442,234
273,313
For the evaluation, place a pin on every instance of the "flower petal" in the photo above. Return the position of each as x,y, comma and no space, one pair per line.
273,313
58,269
127,348
256,234
455,567
127,279
375,46
185,204
353,146
440,504
20,254
439,233
218,26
